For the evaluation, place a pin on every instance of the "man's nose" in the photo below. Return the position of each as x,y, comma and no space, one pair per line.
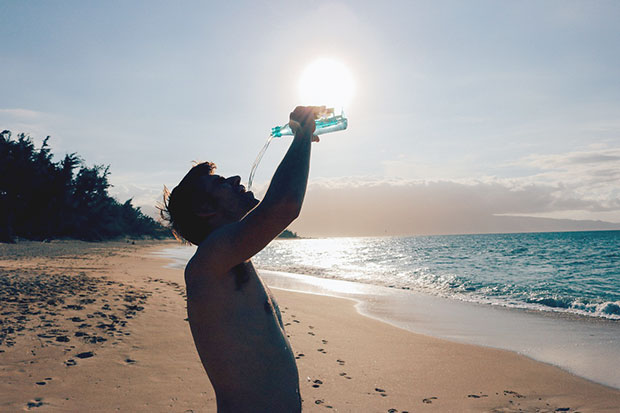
234,180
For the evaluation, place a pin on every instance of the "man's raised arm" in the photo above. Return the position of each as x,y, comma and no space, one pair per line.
232,244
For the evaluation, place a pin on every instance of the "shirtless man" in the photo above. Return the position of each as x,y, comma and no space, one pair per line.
235,322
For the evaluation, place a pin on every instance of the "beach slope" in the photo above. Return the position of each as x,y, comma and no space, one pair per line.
102,327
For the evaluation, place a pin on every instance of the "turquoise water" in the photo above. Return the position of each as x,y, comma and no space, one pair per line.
465,288
575,272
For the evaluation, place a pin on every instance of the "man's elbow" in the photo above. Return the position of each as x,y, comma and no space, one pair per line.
289,211
281,212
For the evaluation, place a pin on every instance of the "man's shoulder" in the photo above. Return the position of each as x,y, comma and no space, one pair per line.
204,257
199,267
205,264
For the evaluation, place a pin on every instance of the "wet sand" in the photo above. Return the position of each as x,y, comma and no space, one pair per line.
102,327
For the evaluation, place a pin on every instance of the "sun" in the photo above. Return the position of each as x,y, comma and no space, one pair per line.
326,82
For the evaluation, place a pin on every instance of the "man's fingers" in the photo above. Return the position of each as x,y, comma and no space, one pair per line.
304,113
305,117
294,125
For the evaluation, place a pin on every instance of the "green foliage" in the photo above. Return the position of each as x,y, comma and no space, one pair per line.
288,234
41,199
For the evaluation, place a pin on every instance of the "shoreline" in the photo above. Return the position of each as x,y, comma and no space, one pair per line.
582,345
178,259
347,362
577,345
420,371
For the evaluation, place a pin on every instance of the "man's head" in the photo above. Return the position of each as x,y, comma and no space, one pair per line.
204,201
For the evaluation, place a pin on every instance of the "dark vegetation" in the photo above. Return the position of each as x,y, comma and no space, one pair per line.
41,199
288,234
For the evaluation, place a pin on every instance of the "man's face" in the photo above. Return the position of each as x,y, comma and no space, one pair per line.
231,200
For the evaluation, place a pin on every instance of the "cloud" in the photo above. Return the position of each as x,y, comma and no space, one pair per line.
373,207
591,175
23,114
145,197
593,158
34,123
578,183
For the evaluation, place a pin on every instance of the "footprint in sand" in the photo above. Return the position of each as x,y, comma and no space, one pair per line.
513,393
341,362
429,400
476,396
33,404
85,355
381,392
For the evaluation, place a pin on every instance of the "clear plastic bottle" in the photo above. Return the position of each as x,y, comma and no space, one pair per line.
328,122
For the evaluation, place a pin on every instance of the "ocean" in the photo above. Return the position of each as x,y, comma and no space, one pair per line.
574,272
553,296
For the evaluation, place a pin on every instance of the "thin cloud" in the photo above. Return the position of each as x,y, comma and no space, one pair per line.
22,113
585,181
600,157
354,207
34,123
591,175
145,197
576,181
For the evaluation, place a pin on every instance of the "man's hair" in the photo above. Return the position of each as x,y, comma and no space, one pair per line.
180,207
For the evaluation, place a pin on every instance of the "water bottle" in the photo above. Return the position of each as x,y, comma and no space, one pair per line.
327,122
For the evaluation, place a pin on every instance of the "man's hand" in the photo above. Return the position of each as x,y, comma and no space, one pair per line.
302,120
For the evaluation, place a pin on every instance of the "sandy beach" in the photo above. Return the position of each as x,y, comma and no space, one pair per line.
102,327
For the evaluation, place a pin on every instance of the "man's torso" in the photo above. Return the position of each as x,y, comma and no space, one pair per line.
236,324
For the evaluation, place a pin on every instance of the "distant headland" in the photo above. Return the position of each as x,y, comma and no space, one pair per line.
288,234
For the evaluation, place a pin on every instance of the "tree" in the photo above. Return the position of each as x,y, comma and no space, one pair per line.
41,199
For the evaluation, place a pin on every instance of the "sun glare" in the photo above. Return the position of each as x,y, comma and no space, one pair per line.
326,82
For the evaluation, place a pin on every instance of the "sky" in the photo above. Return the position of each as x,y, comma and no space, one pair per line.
466,117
